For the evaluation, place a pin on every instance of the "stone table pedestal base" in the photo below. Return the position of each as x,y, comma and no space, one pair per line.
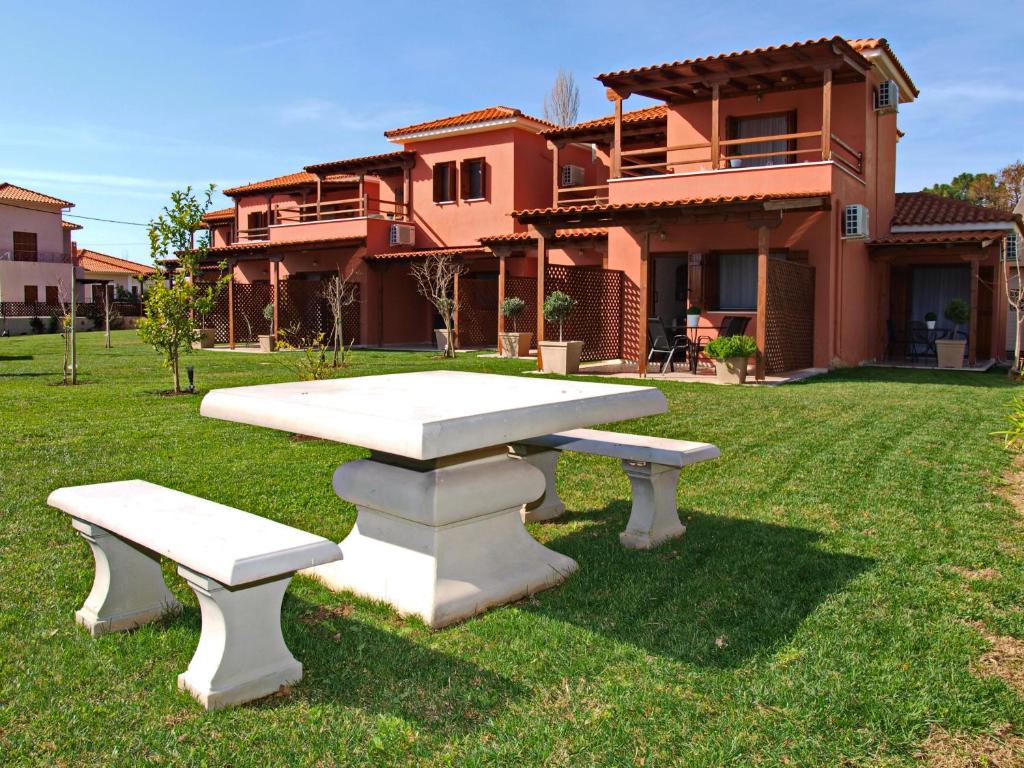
442,539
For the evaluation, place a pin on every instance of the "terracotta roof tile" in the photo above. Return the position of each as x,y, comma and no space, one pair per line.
356,163
18,194
583,233
466,250
647,114
656,204
93,261
466,118
219,215
881,44
920,208
278,182
927,238
69,226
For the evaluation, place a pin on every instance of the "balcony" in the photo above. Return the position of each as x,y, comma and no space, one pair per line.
326,219
42,257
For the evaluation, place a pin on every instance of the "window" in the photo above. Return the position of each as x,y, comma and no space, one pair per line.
473,179
762,125
52,295
257,220
737,281
25,246
31,294
444,182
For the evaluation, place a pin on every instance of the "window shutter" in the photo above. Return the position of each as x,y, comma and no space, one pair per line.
484,178
31,294
709,288
464,171
438,188
695,280
451,181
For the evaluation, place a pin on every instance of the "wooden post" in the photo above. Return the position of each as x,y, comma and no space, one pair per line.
616,158
972,326
231,305
319,196
554,175
762,300
407,191
269,212
715,150
455,316
645,309
74,310
275,291
826,115
542,262
501,254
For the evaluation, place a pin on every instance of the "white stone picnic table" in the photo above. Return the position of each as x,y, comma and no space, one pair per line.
438,532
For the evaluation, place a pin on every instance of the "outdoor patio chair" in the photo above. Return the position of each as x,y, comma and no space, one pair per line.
895,340
919,344
670,352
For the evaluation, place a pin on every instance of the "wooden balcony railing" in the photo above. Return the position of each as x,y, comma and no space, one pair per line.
253,234
350,208
592,195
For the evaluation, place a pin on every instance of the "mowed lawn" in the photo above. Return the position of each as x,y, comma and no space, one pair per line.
822,608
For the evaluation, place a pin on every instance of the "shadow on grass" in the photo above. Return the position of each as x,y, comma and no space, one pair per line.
728,589
28,375
994,378
13,358
353,664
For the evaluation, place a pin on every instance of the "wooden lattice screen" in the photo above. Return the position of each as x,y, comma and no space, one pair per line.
82,308
478,311
598,318
789,321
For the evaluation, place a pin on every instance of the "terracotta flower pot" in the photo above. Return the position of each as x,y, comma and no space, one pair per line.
561,356
204,338
515,344
950,353
732,370
267,343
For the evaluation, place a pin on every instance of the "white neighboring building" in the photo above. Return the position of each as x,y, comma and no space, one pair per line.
1011,316
127,275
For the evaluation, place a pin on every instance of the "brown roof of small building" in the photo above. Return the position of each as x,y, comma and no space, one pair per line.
941,238
921,208
636,116
69,226
94,261
221,214
16,194
463,250
278,182
583,233
365,164
682,202
466,118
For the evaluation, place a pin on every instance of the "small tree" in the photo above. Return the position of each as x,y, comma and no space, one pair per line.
172,306
958,312
562,103
435,281
511,309
1013,285
340,294
557,308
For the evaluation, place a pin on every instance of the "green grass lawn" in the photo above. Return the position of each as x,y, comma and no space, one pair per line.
817,611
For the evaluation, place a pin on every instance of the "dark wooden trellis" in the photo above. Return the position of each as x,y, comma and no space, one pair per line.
789,317
478,311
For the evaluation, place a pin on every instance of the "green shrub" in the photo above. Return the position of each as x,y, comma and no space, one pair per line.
693,310
53,324
958,312
1013,435
36,324
725,347
511,308
557,308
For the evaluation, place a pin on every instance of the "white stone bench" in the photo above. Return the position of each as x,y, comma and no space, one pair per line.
652,464
238,564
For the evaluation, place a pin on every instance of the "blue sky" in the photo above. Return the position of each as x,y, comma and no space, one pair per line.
112,106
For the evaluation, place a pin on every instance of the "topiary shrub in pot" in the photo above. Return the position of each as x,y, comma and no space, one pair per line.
929,320
513,343
267,341
950,352
731,355
559,356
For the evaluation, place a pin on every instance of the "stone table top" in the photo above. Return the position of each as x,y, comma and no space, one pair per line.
431,414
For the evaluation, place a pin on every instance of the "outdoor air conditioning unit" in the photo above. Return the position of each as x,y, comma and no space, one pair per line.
855,222
402,234
572,176
887,97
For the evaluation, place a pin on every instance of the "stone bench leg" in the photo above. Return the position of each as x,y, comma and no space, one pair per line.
549,506
128,589
241,654
654,518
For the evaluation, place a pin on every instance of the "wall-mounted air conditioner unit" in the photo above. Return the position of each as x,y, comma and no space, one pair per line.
887,97
402,234
855,222
572,176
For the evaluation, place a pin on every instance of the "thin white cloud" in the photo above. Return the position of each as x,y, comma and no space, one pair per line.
135,187
276,42
373,118
980,91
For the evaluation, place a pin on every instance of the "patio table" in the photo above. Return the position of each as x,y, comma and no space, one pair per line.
438,532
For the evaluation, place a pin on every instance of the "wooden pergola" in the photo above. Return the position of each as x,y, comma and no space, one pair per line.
761,213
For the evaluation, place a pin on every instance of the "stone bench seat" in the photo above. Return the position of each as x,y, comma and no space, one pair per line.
653,465
238,564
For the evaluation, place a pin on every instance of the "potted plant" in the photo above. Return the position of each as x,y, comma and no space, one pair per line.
514,344
731,355
441,341
929,320
267,341
560,356
950,352
693,317
204,334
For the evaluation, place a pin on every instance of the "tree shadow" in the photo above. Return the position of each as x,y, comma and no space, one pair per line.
27,375
726,590
348,662
994,378
13,358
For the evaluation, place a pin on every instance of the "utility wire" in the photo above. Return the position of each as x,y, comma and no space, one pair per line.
109,221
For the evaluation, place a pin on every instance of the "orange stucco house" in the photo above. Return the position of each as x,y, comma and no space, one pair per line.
760,184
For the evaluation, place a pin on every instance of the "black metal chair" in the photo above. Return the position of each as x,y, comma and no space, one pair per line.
673,351
919,343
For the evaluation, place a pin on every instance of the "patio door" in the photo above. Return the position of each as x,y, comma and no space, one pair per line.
933,287
668,287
